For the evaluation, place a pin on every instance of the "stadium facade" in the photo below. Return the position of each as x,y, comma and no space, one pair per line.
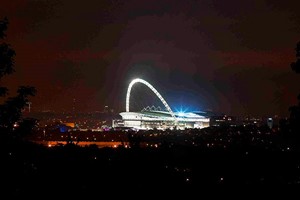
157,119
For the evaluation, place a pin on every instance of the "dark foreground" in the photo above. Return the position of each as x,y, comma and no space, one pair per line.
28,169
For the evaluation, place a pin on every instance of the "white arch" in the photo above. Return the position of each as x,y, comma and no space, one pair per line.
138,80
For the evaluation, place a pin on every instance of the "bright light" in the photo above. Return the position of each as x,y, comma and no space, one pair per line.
182,111
180,114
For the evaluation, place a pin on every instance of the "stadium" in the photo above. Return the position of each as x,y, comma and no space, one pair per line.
155,118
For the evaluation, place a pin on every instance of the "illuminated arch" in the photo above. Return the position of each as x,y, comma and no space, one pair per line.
138,80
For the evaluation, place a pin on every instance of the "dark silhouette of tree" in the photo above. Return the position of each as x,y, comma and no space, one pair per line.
26,126
296,65
295,110
11,109
6,56
134,140
3,27
284,126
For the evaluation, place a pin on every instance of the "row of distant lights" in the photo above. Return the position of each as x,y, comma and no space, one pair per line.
114,146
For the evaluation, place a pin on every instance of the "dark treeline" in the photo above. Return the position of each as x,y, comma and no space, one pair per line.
215,158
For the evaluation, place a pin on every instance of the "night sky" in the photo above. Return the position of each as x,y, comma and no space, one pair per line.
226,56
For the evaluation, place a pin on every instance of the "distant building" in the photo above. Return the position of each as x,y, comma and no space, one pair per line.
270,122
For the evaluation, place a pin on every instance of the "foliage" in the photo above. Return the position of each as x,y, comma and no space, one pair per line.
295,110
3,27
11,109
27,125
134,140
296,65
7,59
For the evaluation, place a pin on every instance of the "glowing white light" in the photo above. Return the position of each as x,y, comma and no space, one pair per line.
181,114
138,80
